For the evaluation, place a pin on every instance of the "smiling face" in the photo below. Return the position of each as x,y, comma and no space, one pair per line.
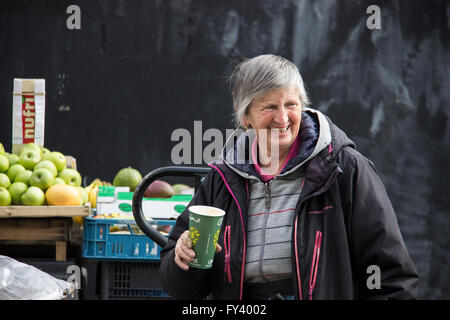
277,113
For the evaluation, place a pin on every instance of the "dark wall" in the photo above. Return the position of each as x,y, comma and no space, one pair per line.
138,70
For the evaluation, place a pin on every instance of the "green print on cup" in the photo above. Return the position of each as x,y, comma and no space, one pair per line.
204,230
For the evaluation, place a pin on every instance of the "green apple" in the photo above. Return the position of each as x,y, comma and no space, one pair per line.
24,176
49,165
34,196
45,152
58,180
16,190
4,181
29,158
2,149
57,158
32,146
14,170
13,158
42,178
4,163
70,176
5,197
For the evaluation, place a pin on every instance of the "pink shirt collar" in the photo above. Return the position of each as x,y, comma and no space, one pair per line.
293,151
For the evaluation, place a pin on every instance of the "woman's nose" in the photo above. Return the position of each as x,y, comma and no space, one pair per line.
282,116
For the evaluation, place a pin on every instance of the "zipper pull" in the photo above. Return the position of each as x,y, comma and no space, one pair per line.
268,195
310,292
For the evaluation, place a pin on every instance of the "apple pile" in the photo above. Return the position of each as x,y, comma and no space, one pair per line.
38,176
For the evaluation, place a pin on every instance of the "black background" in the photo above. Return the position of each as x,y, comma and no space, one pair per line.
137,70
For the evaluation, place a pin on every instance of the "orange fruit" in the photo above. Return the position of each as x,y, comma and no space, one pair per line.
63,195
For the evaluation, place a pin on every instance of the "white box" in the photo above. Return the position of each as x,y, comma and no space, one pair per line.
118,200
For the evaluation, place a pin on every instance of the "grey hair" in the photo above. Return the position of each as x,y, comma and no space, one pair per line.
254,77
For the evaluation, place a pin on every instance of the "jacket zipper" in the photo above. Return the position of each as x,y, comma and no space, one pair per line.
267,195
297,265
263,233
297,262
315,263
227,248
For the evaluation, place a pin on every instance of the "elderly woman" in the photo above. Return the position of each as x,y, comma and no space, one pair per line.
307,217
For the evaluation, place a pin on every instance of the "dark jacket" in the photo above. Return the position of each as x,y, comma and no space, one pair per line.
344,225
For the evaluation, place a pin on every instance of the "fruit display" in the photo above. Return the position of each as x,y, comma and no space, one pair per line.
38,176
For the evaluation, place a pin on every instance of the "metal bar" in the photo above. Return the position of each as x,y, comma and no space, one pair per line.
152,233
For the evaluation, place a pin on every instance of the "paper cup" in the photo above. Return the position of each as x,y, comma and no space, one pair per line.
204,229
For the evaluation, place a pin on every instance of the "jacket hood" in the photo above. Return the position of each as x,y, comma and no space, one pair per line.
339,137
316,133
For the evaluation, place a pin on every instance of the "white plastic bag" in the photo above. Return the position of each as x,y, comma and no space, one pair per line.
20,281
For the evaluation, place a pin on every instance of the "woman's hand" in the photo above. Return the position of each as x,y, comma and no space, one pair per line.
183,252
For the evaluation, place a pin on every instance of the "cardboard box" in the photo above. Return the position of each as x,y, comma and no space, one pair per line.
28,113
118,200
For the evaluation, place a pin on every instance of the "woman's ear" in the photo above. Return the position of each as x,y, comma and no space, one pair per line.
245,121
246,125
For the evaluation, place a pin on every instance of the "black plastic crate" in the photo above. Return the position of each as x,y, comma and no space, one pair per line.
129,280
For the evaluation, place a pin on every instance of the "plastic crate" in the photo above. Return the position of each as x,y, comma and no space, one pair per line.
131,281
101,244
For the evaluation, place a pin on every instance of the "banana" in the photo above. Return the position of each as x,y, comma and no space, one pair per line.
92,190
93,196
96,181
88,188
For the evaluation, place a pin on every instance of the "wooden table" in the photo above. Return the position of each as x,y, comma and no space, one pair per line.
40,223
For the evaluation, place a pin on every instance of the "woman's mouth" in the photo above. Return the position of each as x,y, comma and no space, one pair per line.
279,130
